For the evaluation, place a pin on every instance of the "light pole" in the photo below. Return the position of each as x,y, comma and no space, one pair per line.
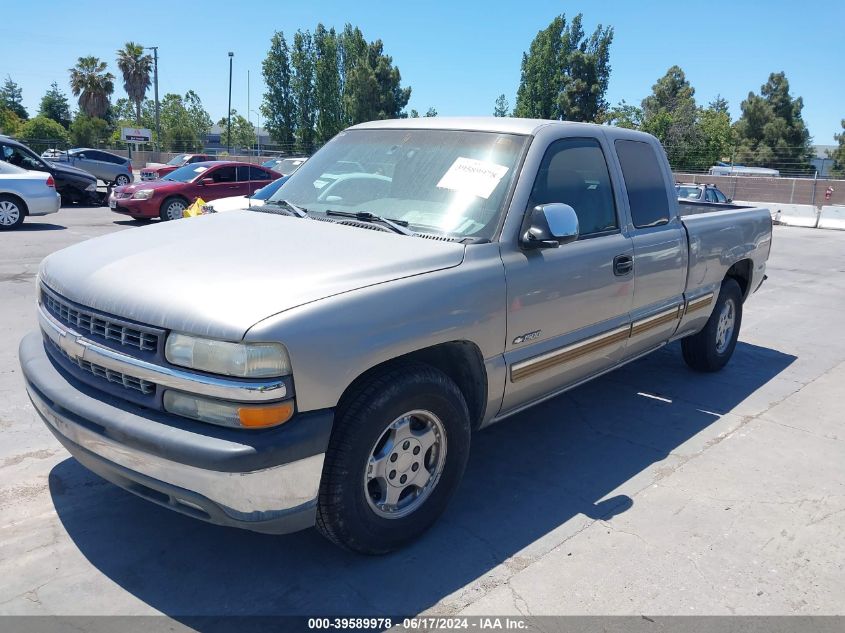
154,49
229,113
258,130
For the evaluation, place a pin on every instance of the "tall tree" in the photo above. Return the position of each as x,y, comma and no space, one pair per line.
431,112
670,114
136,68
624,115
564,73
54,106
42,132
502,106
327,84
715,136
719,104
184,122
771,131
302,61
279,106
93,84
11,98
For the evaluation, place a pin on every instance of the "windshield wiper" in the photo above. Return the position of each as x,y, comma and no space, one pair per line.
285,204
398,226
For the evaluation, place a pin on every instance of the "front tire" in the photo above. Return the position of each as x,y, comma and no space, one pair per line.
12,213
172,209
397,453
713,346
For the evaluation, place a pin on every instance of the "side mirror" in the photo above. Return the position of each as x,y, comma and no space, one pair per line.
730,199
550,226
207,181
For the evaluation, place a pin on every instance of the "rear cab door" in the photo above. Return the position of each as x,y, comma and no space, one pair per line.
568,307
660,252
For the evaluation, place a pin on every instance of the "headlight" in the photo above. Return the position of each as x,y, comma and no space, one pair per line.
91,187
228,413
142,194
243,360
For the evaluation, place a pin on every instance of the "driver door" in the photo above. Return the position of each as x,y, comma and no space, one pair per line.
567,313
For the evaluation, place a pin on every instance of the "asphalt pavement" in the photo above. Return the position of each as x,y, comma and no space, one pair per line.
652,490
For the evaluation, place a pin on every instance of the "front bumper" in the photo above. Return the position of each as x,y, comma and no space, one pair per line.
265,481
136,208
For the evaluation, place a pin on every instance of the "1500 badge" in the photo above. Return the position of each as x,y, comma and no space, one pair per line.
524,338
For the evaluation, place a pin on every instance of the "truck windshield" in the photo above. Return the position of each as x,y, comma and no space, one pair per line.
442,181
177,160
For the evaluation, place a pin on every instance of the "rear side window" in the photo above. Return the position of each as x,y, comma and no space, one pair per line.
644,182
574,172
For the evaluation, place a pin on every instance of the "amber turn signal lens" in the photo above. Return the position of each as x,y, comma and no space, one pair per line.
260,417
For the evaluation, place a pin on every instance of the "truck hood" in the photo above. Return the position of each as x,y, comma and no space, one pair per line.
218,275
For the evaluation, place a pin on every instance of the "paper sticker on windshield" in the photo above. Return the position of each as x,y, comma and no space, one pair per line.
200,169
476,177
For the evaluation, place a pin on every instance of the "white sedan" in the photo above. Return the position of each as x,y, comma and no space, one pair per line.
24,193
239,203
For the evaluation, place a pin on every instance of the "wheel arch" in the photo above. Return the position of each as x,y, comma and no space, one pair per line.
460,360
17,199
741,272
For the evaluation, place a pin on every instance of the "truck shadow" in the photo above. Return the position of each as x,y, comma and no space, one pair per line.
532,481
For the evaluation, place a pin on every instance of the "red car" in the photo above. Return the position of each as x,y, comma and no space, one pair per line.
169,197
154,171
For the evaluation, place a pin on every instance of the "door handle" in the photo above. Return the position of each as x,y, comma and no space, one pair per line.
622,265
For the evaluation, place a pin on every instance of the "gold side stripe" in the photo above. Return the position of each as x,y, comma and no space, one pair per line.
529,367
656,320
698,304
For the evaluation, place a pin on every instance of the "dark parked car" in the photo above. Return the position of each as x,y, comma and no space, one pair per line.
110,168
74,185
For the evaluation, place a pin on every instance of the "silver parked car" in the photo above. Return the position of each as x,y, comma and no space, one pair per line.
24,193
108,167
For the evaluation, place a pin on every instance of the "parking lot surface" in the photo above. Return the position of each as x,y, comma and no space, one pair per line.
652,490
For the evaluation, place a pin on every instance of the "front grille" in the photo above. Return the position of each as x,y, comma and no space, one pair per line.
129,382
98,325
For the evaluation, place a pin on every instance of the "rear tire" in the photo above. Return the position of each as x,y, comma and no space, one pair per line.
172,209
397,453
122,180
12,212
713,346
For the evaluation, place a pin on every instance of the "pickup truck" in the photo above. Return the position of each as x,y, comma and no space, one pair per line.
324,359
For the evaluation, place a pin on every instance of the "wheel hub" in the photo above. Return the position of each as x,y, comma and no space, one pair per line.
725,326
405,464
9,213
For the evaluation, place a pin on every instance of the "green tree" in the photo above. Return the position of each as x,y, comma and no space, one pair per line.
414,114
10,123
54,106
327,84
136,68
670,114
42,132
715,136
184,122
86,131
302,61
624,115
719,104
93,84
279,105
11,98
243,132
838,155
502,106
771,131
565,74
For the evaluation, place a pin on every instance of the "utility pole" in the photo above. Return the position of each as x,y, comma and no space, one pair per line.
229,113
154,49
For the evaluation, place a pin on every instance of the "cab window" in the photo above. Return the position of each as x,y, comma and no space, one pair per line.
574,172
644,182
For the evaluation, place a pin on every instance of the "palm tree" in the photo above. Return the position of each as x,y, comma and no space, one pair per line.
136,68
92,84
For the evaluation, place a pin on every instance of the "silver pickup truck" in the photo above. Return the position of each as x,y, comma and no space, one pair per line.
325,358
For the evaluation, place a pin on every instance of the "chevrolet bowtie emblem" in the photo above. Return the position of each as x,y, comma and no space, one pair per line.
72,345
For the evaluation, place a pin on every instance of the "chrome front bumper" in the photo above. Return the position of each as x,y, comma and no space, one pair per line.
183,465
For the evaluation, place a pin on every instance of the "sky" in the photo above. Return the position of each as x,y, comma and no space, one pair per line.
457,56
